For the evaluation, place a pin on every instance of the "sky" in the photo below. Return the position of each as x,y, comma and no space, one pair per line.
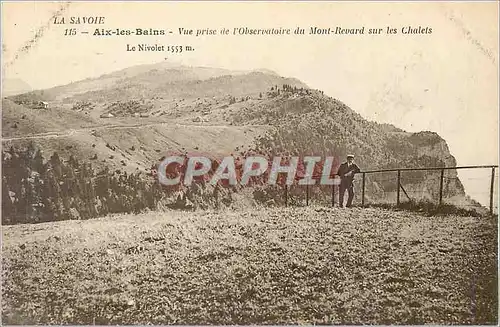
446,81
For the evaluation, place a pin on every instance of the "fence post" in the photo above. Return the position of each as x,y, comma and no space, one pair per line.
307,195
286,195
491,189
333,195
216,192
441,187
399,182
363,191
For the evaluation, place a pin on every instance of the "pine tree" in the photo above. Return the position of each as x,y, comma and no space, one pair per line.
55,163
8,208
37,164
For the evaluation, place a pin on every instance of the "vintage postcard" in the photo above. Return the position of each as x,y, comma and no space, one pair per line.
249,163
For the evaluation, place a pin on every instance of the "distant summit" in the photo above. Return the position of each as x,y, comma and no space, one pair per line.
266,71
13,86
167,81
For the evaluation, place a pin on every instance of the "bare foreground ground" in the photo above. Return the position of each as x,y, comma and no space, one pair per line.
271,266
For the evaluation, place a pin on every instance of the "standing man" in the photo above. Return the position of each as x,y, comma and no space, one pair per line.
346,172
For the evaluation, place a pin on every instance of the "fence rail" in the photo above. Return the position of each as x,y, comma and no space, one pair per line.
428,168
399,186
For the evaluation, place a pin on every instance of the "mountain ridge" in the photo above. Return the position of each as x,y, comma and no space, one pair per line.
153,109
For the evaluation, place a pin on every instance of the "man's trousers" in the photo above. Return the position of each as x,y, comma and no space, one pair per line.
346,184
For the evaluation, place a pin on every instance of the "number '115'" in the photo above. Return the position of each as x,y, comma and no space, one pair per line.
70,31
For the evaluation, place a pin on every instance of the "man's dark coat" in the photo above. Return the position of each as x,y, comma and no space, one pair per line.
344,169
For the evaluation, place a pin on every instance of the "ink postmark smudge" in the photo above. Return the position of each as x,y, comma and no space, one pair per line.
469,36
39,33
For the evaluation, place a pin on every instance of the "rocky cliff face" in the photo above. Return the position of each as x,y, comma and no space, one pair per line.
308,123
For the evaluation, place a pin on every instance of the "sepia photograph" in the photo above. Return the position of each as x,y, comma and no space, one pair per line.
249,163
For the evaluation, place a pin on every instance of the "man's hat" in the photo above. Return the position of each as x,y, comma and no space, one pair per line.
350,156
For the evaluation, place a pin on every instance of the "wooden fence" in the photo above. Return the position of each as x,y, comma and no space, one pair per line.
400,186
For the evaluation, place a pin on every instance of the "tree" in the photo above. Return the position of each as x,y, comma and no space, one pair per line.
37,164
8,208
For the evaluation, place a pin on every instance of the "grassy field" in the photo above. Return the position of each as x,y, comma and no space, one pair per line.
270,266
